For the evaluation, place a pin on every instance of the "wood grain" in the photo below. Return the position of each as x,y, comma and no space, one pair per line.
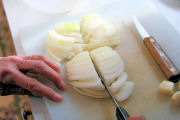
162,59
4,88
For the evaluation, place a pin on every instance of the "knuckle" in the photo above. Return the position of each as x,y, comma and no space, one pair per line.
32,85
41,64
7,75
2,58
42,56
50,89
11,58
57,67
8,69
37,66
8,79
14,59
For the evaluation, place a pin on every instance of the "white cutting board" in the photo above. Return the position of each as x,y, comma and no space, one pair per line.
139,64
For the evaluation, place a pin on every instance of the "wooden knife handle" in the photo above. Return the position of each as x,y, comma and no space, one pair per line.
166,65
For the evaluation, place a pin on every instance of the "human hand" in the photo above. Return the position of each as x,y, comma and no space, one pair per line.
11,73
137,117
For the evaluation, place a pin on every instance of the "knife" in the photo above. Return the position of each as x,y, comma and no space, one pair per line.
161,58
121,113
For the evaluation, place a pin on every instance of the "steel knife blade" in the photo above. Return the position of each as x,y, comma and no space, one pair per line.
121,113
141,30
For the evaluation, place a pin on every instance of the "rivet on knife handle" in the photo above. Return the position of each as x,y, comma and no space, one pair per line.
162,59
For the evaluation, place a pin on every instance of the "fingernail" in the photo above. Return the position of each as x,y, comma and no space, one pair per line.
57,97
63,85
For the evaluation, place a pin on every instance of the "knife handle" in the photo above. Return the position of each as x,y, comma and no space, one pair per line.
166,65
121,115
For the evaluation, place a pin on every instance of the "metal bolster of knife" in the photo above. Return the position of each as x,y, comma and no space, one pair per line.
162,59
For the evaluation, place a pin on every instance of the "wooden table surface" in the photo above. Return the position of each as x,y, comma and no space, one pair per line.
7,49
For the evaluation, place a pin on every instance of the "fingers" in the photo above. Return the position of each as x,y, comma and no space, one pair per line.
10,73
46,60
40,67
35,87
137,117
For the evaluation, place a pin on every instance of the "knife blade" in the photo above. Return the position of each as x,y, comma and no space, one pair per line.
121,113
141,30
161,58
